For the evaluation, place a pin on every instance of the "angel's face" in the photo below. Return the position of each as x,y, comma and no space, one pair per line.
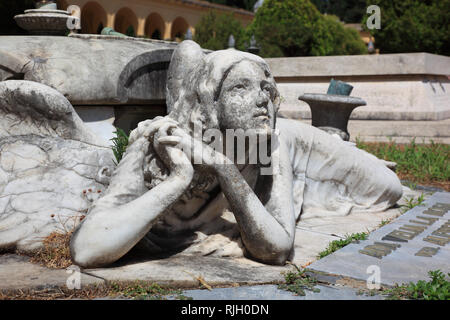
246,99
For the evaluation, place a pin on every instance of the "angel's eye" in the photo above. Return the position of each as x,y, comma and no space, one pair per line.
239,86
269,90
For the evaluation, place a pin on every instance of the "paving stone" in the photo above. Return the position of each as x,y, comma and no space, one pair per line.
17,272
184,271
271,292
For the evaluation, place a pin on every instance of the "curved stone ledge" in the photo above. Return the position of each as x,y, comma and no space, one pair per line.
88,70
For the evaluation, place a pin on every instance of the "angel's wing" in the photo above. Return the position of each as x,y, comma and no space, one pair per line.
51,164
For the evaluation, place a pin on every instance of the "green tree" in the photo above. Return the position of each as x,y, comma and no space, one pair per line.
285,28
350,11
413,26
296,28
333,38
214,29
243,4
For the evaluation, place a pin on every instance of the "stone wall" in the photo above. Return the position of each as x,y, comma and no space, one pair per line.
118,82
407,95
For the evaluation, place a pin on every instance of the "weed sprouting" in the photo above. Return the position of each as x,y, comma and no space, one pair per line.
338,244
120,143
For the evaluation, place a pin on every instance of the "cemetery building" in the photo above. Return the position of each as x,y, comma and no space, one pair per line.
155,19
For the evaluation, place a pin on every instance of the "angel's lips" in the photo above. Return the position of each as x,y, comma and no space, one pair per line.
261,114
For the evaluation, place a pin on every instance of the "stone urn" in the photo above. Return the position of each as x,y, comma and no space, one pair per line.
331,112
46,19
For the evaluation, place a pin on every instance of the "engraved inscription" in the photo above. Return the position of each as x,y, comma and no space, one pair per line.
441,236
439,241
412,229
429,220
435,212
398,236
379,249
427,252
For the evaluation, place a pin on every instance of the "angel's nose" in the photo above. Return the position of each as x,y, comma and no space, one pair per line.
262,100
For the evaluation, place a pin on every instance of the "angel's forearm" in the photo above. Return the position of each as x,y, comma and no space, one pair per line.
109,232
263,235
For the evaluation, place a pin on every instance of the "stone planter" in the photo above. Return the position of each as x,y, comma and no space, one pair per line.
331,112
44,21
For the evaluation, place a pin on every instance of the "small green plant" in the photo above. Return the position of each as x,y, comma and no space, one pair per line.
120,142
383,223
412,202
411,185
338,244
438,288
298,282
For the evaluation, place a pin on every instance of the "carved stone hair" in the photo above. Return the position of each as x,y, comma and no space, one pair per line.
194,84
195,81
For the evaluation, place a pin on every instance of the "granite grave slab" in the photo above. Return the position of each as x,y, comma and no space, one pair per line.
402,251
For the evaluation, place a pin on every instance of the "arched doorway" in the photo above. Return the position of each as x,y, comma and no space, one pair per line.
179,28
126,22
154,26
93,18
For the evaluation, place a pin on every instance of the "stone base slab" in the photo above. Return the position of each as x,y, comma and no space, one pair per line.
312,236
402,251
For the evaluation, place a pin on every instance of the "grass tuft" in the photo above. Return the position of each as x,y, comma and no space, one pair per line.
120,143
338,244
419,163
411,203
298,282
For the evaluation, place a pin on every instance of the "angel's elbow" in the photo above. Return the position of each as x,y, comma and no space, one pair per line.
274,254
84,255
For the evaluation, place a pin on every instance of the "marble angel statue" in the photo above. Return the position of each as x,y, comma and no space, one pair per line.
167,196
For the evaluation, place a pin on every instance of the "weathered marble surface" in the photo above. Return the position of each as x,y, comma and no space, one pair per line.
311,237
183,270
89,70
160,199
17,272
47,159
